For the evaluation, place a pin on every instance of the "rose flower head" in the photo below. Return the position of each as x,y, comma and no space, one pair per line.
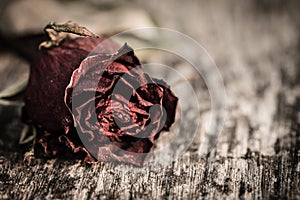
90,95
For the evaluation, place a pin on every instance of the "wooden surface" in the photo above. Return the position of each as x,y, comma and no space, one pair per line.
256,47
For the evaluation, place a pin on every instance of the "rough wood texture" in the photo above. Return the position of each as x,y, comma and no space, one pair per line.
256,47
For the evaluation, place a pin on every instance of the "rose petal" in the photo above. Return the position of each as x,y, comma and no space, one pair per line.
117,109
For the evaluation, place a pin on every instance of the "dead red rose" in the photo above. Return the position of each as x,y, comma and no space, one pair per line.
101,104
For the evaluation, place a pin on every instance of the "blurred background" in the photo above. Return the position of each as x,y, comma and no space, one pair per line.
248,40
252,43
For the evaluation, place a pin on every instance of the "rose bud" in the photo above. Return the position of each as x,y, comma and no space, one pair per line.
101,104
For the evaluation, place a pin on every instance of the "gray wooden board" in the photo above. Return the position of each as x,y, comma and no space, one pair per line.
256,47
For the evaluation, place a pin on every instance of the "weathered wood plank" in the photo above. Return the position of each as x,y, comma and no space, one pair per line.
256,47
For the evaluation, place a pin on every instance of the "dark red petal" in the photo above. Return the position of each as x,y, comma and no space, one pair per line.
74,91
49,76
169,102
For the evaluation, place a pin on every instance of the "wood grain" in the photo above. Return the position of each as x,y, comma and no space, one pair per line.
256,47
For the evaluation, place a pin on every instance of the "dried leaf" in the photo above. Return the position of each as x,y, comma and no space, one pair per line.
28,134
14,74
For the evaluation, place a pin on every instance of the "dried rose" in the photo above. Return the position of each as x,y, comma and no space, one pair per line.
82,102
